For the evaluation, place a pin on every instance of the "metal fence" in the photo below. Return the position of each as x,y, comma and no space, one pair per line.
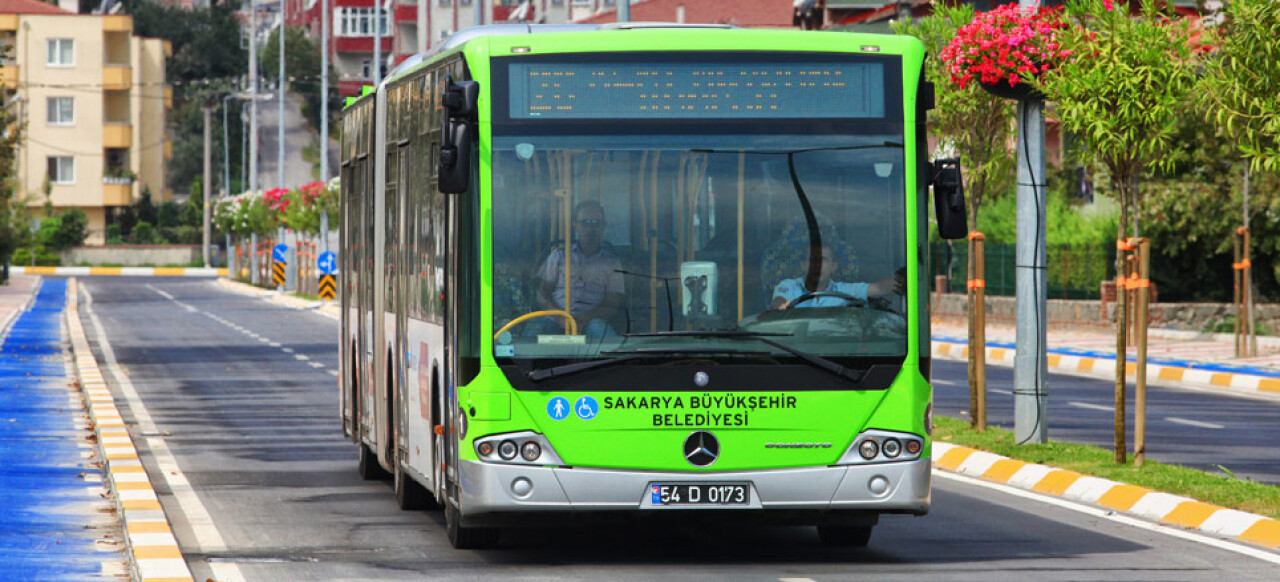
1074,272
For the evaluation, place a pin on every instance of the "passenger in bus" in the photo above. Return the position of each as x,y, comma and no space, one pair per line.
788,290
597,290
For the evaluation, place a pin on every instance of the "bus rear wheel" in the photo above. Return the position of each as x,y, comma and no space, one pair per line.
848,536
411,495
464,537
367,465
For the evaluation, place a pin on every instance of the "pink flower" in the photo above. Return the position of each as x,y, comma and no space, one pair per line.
1108,5
1004,44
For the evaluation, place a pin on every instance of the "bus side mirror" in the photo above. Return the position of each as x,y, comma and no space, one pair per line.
948,199
460,99
455,157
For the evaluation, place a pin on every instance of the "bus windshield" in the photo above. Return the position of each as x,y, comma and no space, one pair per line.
669,233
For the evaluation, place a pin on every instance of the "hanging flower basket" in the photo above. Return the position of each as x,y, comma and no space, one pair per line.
1005,50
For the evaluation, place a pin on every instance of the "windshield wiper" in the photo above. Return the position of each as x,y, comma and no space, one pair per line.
566,369
763,337
623,356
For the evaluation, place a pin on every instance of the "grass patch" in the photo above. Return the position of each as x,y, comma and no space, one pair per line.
1222,490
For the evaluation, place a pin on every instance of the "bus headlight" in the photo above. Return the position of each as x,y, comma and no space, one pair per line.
517,448
882,446
868,449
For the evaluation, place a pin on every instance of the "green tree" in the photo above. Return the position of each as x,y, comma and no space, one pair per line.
1241,83
1123,93
64,230
976,124
14,214
302,69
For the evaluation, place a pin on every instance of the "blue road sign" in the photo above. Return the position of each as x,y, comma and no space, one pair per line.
558,408
280,253
328,263
586,408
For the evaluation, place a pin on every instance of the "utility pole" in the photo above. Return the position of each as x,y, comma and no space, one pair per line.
1030,358
479,12
226,150
324,85
624,10
253,96
377,40
280,105
205,188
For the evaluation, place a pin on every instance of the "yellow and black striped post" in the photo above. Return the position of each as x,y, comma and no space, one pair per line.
328,287
277,272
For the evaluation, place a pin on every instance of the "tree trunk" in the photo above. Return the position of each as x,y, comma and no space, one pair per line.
1121,185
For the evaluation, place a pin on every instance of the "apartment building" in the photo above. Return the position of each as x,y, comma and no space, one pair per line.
416,26
93,99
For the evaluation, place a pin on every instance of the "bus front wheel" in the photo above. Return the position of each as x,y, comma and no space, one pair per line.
848,536
464,537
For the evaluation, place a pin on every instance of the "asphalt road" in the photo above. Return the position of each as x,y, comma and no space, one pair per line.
1187,427
274,494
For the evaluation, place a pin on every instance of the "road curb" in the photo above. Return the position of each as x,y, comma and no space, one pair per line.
122,271
154,555
8,319
1104,367
1129,499
327,308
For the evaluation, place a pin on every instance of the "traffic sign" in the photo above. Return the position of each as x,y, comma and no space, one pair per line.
328,287
328,263
277,272
280,253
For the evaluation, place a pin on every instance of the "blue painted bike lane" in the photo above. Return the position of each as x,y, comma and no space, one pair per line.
51,510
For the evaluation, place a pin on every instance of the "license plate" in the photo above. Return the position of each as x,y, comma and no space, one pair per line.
700,494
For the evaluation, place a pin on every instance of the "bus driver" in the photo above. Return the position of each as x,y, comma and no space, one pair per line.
788,290
597,290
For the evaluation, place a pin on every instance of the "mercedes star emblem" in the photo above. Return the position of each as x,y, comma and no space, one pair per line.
701,448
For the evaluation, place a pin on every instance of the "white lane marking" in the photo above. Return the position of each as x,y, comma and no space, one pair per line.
795,580
333,373
935,381
208,539
1091,406
287,350
1197,423
274,344
999,391
1097,512
315,364
300,357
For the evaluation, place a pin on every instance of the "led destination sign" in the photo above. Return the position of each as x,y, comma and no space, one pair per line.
787,90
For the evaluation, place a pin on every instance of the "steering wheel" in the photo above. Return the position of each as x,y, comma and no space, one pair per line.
853,301
573,323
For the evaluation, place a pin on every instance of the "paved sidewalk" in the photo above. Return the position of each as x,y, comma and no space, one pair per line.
1175,358
15,297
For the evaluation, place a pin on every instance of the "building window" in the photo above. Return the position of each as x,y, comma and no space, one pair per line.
61,52
365,68
581,2
62,170
357,22
62,110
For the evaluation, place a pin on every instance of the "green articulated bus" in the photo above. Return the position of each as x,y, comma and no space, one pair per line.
646,271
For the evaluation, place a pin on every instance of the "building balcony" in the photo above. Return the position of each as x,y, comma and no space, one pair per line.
168,96
9,76
117,23
117,191
9,22
117,77
117,135
407,13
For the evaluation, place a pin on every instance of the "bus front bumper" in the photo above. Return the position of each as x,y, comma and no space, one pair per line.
491,488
